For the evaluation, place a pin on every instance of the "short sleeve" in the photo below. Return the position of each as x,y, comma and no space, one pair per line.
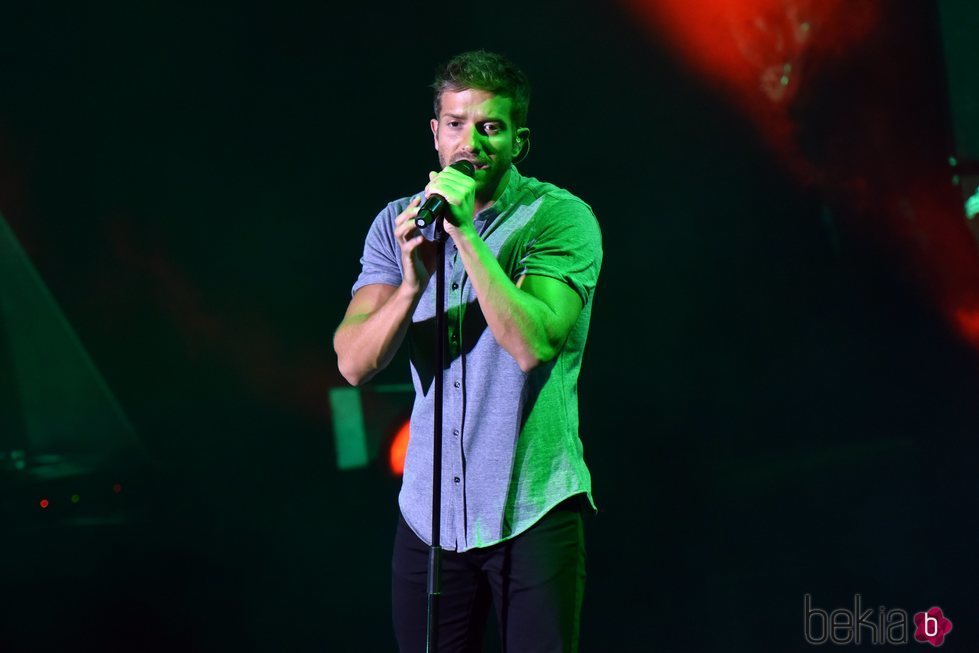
381,261
566,244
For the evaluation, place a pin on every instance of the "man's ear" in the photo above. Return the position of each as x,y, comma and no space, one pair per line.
435,133
523,134
521,144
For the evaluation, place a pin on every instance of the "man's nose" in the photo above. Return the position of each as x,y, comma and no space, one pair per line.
473,139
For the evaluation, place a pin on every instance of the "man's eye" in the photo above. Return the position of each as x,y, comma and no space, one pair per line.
491,129
453,123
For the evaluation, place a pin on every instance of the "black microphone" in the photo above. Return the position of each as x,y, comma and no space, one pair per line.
435,204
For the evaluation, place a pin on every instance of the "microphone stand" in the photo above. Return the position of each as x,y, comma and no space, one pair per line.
435,550
434,207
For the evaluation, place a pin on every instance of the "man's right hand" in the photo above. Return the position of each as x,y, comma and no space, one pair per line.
417,253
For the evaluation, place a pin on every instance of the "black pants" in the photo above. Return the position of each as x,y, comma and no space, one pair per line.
536,581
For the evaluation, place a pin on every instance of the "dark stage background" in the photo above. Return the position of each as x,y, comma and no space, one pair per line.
772,404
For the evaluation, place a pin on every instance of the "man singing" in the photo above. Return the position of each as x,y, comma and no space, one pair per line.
522,261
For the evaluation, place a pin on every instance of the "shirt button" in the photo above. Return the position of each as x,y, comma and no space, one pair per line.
457,384
454,339
455,286
457,479
455,432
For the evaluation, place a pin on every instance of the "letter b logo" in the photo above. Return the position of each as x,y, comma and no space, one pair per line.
821,617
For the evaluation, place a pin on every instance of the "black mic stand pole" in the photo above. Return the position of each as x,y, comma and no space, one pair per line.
435,551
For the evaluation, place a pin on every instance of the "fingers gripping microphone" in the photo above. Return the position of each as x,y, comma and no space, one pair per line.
435,204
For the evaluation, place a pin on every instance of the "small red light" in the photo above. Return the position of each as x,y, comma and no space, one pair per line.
398,450
117,488
44,503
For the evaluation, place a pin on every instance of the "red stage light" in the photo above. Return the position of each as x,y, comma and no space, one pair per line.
775,61
399,447
759,51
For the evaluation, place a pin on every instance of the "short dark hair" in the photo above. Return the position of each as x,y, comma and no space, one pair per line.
484,71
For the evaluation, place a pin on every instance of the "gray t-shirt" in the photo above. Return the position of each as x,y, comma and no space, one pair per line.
511,449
